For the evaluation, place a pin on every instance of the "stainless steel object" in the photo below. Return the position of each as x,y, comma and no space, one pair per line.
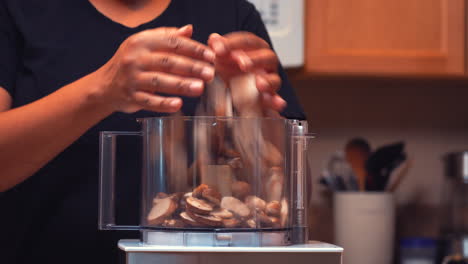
455,208
457,166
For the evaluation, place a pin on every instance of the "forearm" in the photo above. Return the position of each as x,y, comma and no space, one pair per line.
32,135
161,60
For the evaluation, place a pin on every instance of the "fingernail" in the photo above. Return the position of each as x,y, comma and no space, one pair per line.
207,73
218,47
247,61
185,27
173,102
215,35
281,103
209,55
196,86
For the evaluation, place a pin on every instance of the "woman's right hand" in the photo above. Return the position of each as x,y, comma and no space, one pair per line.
154,62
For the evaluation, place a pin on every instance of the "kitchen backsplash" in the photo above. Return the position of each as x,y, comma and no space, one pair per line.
430,116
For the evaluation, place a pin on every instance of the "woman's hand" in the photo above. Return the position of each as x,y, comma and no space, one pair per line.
155,62
241,52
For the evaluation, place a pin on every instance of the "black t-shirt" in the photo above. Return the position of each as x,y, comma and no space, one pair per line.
46,44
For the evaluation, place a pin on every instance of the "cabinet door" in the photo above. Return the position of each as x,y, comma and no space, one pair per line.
389,37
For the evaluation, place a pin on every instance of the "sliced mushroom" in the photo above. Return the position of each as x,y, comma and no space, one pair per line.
207,220
218,105
198,206
255,203
231,153
177,196
231,223
218,177
236,206
223,213
159,196
240,189
235,163
173,223
161,210
276,173
274,184
189,220
183,203
198,192
276,189
272,155
276,223
212,195
251,223
264,220
246,101
273,208
284,212
245,95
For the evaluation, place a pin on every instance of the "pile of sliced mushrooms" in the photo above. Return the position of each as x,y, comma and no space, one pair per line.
206,208
238,168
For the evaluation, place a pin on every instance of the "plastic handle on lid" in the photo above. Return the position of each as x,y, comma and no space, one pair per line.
108,143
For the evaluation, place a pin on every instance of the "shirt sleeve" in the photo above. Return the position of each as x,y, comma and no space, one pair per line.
251,21
8,49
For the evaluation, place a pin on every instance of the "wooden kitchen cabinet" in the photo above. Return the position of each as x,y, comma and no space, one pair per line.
385,37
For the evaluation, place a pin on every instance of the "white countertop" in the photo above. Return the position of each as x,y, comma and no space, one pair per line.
133,245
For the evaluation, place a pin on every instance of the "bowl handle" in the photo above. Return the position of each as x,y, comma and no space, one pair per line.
107,147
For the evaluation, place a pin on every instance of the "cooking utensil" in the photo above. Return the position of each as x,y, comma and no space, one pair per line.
333,182
382,162
352,183
339,173
401,173
357,152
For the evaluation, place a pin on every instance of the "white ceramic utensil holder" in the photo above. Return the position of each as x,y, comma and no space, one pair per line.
364,225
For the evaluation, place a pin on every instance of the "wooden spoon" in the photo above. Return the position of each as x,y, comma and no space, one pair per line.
357,152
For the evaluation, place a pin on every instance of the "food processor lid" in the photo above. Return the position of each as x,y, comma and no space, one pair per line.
456,165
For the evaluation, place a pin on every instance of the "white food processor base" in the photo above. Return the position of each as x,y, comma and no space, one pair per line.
310,253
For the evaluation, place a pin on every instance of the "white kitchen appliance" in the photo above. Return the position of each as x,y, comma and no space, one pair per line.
311,253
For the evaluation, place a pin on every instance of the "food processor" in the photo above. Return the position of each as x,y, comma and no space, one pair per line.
217,189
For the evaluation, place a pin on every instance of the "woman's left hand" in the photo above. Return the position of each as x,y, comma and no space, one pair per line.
242,52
